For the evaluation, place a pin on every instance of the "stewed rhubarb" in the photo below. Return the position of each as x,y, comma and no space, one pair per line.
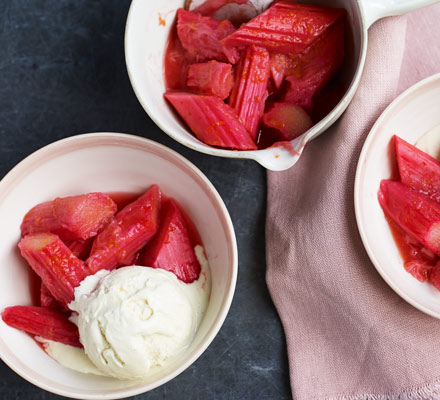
289,54
127,233
412,208
417,169
148,230
171,249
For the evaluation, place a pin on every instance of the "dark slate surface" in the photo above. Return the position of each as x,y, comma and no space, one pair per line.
62,72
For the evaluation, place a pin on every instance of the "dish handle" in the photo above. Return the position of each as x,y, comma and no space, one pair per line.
377,9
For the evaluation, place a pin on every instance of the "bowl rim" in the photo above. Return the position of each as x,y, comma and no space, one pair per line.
390,109
111,138
259,155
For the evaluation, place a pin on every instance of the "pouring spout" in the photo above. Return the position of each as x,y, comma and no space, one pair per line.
282,155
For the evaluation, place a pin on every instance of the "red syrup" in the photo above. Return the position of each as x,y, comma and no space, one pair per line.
34,285
122,199
410,249
177,62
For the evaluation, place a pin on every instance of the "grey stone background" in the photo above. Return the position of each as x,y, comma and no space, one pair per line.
62,73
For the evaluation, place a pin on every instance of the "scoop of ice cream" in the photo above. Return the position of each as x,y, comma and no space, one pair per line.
133,319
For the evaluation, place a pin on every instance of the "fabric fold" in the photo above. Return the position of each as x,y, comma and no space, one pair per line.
349,336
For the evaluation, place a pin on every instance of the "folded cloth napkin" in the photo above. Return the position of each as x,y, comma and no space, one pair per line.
349,336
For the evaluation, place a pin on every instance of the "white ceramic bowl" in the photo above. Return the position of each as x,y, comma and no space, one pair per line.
410,116
146,34
108,162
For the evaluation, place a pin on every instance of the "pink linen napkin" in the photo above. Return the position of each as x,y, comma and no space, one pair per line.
349,336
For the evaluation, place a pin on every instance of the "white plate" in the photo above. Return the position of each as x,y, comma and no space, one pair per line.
410,116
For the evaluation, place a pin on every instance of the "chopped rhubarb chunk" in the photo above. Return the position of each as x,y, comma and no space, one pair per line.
415,213
313,68
211,120
74,217
41,218
212,78
279,65
209,7
130,230
53,261
200,36
46,298
285,27
249,93
39,321
418,170
418,269
288,120
171,248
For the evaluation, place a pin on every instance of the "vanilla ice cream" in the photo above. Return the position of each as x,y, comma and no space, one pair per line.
135,319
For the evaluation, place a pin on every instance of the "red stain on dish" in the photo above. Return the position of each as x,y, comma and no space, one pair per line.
161,20
301,147
287,146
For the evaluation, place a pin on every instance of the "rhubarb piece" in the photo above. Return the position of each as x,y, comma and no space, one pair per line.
209,7
212,78
81,248
39,321
417,169
130,230
249,93
71,218
313,68
282,65
171,248
176,63
42,218
200,36
418,269
415,213
46,298
285,27
53,261
279,65
84,215
211,120
288,120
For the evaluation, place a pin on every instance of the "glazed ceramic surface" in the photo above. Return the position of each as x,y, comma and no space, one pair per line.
109,163
149,24
410,116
